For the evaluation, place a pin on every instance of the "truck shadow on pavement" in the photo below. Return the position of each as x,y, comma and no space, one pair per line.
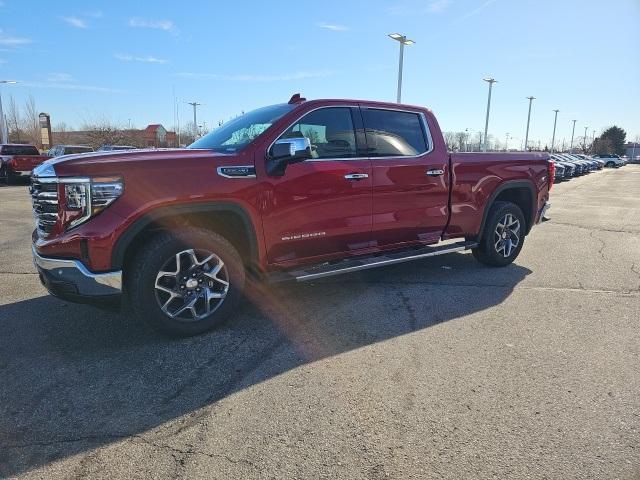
75,378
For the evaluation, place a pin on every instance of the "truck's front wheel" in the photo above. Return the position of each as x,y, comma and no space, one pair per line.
503,235
185,283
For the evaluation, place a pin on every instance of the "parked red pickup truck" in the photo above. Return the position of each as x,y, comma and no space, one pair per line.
17,160
298,191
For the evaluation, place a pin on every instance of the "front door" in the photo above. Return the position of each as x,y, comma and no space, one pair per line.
410,178
322,206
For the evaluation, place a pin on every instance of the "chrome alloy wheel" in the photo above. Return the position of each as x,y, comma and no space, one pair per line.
507,235
192,285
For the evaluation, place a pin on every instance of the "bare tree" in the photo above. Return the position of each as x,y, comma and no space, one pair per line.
32,123
461,140
15,122
450,140
61,133
103,132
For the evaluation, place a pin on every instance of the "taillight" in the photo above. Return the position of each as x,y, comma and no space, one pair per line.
552,173
13,163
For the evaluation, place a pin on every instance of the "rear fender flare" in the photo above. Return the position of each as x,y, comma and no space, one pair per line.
511,185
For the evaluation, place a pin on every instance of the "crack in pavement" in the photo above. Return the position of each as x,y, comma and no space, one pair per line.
611,230
133,438
602,244
579,288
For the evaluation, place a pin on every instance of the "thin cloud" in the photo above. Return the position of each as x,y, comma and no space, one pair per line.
76,22
60,77
9,41
475,11
125,57
165,25
438,6
71,86
94,14
254,78
332,26
419,8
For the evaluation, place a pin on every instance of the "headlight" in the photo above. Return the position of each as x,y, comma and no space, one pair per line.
83,200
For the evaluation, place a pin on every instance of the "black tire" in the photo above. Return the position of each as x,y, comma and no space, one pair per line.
143,276
609,164
5,176
487,252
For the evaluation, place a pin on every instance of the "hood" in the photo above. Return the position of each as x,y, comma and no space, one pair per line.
100,162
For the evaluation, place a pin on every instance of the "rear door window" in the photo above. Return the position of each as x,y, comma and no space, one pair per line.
393,133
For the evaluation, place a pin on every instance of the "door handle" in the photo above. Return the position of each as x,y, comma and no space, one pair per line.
435,172
356,176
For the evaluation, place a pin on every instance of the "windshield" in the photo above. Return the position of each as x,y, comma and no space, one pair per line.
239,132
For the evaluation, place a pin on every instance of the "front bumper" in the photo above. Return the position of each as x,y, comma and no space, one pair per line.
70,279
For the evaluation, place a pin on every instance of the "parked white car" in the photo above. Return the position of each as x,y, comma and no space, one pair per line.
611,160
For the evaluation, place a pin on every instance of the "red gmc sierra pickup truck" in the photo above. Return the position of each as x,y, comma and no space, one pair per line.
299,191
18,160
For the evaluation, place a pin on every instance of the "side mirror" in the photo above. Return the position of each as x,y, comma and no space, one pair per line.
286,151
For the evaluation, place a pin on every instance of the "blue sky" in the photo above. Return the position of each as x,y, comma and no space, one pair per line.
121,60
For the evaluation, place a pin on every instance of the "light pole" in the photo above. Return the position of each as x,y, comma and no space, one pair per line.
572,132
584,144
506,143
526,137
491,81
553,138
593,141
4,130
195,105
403,41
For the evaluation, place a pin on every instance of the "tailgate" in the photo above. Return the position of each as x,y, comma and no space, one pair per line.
26,163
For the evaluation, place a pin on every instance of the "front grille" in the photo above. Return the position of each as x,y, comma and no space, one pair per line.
44,199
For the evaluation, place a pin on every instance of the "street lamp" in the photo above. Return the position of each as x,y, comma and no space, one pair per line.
195,105
526,137
584,144
572,132
4,130
506,143
491,81
403,40
553,138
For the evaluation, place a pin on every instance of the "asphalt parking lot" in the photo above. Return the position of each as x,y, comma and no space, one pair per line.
436,369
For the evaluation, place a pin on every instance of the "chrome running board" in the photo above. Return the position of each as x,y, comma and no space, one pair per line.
364,263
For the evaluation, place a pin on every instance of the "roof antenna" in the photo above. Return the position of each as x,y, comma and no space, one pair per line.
296,98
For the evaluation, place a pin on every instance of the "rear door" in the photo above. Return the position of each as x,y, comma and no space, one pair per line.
322,206
410,177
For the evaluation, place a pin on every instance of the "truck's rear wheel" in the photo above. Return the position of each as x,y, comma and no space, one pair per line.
503,235
185,283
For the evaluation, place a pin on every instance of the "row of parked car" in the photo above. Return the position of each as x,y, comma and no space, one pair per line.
570,165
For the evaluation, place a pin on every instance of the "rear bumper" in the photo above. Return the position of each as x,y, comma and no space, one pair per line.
70,279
